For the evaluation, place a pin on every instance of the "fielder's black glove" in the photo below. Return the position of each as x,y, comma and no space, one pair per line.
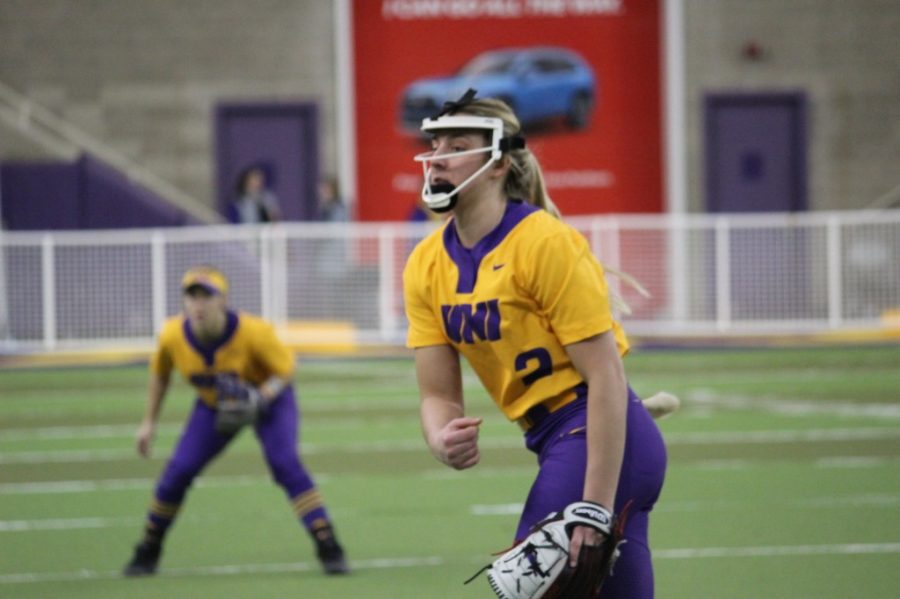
238,403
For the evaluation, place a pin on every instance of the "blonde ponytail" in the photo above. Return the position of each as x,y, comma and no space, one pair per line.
525,181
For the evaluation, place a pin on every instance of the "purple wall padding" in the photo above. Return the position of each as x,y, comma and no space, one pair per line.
40,195
86,194
280,138
111,201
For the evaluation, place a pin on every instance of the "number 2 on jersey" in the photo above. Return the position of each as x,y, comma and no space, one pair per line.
544,364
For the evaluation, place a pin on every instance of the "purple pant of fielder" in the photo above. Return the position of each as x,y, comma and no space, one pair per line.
200,443
560,442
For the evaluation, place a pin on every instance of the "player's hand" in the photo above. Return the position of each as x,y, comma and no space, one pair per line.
457,443
583,535
144,438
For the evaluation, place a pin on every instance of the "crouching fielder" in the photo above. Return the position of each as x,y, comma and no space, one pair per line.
242,373
518,293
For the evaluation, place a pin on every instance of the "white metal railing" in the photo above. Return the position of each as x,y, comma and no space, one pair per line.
65,140
735,275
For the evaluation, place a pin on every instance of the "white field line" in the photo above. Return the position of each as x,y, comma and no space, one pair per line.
86,574
94,522
364,400
500,509
849,461
778,551
861,500
360,447
117,431
783,436
126,431
125,484
877,500
481,472
64,524
869,500
698,398
434,561
781,405
66,456
130,484
723,464
387,446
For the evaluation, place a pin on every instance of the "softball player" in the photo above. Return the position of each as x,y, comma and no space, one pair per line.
211,343
518,293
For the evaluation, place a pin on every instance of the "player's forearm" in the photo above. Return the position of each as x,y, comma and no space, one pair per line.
156,393
606,420
272,387
597,360
440,391
436,412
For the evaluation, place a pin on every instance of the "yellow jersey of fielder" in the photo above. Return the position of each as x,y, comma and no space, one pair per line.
511,304
249,349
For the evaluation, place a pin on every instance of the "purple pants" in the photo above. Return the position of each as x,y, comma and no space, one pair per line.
562,458
200,443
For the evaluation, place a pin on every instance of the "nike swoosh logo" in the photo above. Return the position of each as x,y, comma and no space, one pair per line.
499,266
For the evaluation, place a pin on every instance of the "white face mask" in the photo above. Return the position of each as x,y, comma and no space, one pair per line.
443,196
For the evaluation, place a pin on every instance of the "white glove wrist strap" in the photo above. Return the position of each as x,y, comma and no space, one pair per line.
588,513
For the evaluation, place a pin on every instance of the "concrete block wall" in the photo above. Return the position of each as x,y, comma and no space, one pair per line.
844,55
144,76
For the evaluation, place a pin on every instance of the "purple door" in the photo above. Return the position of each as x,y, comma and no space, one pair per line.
756,162
755,152
282,140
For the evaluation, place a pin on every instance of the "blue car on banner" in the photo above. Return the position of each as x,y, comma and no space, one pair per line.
540,83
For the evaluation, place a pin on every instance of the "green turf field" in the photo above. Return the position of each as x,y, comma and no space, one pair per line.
783,481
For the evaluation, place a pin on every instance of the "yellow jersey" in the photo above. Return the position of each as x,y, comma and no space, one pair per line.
248,349
511,304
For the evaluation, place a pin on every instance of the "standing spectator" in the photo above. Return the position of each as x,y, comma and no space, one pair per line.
254,203
331,252
331,205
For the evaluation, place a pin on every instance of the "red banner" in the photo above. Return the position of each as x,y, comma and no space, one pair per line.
583,76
